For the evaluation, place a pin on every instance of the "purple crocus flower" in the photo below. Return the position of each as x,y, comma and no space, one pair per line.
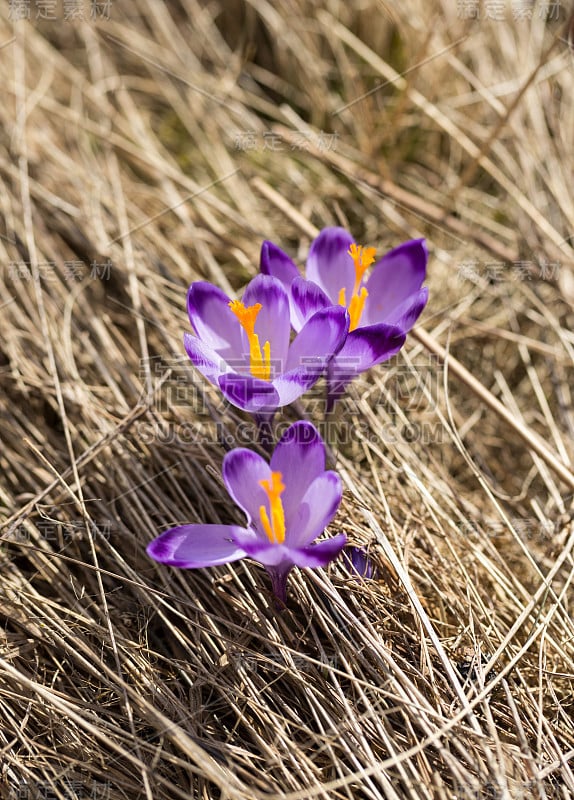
288,503
382,307
244,346
358,563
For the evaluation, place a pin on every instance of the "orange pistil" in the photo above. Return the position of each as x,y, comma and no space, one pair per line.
362,257
259,362
273,488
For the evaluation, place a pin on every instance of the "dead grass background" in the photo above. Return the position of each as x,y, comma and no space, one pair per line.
160,146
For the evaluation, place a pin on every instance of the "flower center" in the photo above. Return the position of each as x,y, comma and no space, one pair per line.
273,488
259,362
362,257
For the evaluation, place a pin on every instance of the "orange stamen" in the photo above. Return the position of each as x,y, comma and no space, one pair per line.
259,362
273,488
356,307
362,257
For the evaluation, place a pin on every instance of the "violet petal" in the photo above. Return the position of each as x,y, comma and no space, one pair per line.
363,348
294,384
329,265
320,554
300,457
275,262
270,554
191,546
250,394
407,313
306,299
212,319
398,275
358,563
316,510
367,346
273,322
206,359
320,338
242,471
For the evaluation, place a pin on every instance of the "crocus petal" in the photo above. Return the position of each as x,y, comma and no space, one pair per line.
205,358
299,456
250,394
270,554
329,265
310,352
316,510
363,348
213,321
294,384
191,546
398,275
242,470
357,561
320,554
306,299
320,338
407,313
275,262
369,345
283,558
273,322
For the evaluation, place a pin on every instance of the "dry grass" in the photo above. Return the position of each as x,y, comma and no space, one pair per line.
161,146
